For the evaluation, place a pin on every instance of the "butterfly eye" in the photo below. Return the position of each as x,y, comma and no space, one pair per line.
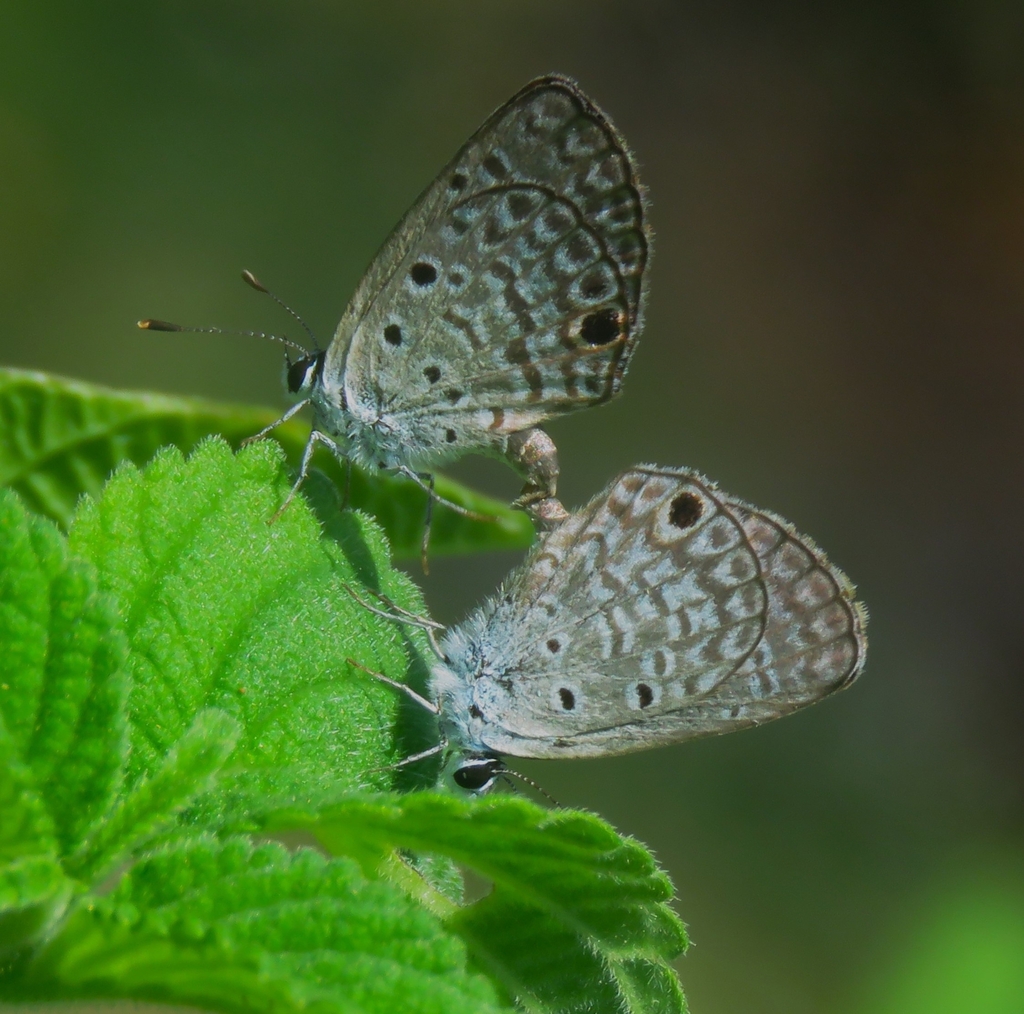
478,775
303,372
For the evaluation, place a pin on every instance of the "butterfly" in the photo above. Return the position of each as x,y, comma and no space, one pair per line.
511,292
662,611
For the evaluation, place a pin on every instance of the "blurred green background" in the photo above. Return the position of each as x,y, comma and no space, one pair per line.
835,331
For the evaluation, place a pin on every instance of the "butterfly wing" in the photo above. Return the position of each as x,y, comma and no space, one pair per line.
513,288
663,611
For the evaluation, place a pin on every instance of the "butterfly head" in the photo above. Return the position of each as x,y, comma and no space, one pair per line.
302,374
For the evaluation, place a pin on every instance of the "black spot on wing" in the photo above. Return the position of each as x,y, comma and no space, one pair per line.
601,327
685,510
423,273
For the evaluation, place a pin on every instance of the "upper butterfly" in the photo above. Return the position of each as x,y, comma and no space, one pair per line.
512,291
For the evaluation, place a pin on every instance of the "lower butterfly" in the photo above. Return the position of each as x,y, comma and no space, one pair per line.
662,611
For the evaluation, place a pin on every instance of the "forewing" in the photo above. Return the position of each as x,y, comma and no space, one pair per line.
512,290
675,612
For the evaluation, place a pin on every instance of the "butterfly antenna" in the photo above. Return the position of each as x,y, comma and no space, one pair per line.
250,279
508,774
163,325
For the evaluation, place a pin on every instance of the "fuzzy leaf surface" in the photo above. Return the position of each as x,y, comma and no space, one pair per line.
62,679
223,610
230,927
62,732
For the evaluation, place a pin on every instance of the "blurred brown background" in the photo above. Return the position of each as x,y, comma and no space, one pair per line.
835,331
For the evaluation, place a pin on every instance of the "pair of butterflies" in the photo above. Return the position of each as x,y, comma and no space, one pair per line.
512,292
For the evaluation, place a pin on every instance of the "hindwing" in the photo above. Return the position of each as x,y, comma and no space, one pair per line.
663,611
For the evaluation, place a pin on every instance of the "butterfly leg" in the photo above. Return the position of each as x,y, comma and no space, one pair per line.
399,615
422,755
294,410
425,481
425,542
533,454
404,687
315,437
348,484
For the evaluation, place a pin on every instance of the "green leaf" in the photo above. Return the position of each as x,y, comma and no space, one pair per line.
34,893
236,928
26,828
60,438
33,888
223,610
227,642
188,769
62,685
575,911
61,724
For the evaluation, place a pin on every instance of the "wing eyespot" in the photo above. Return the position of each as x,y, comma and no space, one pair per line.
567,697
601,327
432,373
393,335
450,435
685,510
